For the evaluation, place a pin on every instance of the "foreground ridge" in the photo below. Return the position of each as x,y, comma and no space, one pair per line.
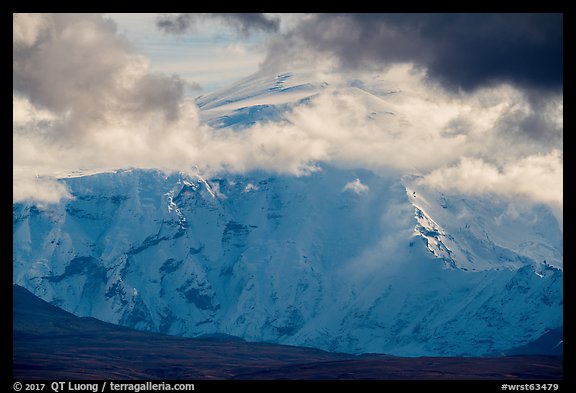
50,343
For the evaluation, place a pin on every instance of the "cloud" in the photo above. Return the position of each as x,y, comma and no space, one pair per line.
356,186
243,23
78,83
461,51
523,50
46,191
422,127
26,28
538,177
84,99
456,52
76,65
75,81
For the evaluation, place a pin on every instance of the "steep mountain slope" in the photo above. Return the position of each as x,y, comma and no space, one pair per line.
341,259
50,343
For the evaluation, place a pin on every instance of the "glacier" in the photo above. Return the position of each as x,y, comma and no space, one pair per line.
342,259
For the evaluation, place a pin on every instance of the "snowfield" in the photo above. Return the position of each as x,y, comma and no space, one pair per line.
342,259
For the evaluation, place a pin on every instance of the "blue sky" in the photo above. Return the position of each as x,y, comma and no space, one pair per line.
212,57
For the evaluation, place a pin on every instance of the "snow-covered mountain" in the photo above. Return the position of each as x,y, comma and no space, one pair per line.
346,260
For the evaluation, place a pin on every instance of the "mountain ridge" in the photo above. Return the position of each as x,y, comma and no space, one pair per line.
342,259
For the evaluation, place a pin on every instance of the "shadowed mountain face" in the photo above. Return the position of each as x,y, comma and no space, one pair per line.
328,250
316,261
50,343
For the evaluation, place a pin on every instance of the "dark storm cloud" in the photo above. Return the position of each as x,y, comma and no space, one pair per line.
175,24
244,23
536,121
474,50
459,50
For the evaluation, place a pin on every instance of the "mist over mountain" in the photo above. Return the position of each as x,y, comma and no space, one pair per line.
336,254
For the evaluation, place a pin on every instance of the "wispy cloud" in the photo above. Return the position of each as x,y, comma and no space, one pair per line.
243,23
356,186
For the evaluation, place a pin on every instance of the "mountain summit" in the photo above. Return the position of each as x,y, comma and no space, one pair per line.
341,259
